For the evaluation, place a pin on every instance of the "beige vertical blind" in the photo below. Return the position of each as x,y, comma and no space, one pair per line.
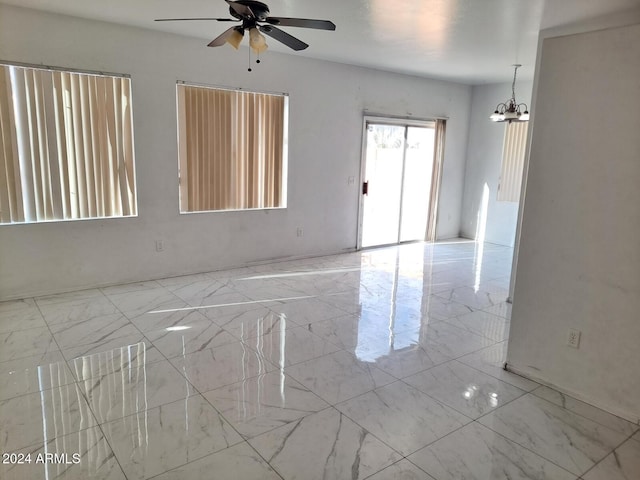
231,149
515,145
436,179
66,148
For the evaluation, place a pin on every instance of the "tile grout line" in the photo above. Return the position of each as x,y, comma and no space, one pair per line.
84,396
532,451
579,414
100,425
455,409
396,463
629,438
386,385
144,337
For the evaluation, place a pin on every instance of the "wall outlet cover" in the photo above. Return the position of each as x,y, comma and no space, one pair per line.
573,338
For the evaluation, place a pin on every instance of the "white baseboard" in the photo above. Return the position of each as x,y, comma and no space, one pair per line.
631,417
88,286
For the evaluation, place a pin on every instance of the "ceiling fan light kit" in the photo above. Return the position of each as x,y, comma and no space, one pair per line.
253,15
235,38
511,111
257,41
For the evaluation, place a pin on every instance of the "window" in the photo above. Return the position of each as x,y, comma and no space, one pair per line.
515,145
232,149
66,146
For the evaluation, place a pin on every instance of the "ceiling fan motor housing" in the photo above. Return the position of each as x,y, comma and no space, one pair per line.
260,10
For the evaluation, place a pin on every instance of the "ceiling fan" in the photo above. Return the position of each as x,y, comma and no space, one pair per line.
255,18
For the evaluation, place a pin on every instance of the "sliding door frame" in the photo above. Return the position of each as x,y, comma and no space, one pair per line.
436,177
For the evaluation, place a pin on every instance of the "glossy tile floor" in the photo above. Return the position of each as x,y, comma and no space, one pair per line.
384,364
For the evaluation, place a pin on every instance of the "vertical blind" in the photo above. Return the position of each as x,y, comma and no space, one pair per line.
231,149
66,148
515,145
436,178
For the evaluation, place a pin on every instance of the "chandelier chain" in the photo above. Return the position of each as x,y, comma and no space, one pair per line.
513,85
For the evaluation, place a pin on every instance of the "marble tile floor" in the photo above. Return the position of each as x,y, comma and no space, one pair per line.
382,364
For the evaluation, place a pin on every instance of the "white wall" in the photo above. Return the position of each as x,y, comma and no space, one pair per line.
579,259
327,101
484,159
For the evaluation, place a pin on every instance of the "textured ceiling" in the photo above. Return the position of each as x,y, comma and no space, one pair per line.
468,41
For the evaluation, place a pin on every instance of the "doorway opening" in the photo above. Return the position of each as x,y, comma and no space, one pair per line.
401,168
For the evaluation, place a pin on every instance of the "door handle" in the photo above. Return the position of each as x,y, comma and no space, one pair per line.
365,188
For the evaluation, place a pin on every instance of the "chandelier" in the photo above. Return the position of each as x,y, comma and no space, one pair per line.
511,111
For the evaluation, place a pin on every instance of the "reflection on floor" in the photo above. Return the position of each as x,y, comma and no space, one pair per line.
381,364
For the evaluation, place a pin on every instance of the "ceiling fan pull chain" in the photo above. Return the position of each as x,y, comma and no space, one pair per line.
249,69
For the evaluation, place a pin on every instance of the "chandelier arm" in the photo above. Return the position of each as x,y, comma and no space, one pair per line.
501,107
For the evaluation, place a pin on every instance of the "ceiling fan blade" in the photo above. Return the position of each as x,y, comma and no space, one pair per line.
240,9
187,19
289,40
301,22
222,38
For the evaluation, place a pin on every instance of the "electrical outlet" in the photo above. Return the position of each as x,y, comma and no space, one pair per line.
299,232
159,245
573,338
351,180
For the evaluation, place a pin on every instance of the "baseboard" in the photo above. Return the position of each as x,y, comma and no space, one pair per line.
631,417
89,286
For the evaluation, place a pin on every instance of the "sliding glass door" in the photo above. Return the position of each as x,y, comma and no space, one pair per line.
397,172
